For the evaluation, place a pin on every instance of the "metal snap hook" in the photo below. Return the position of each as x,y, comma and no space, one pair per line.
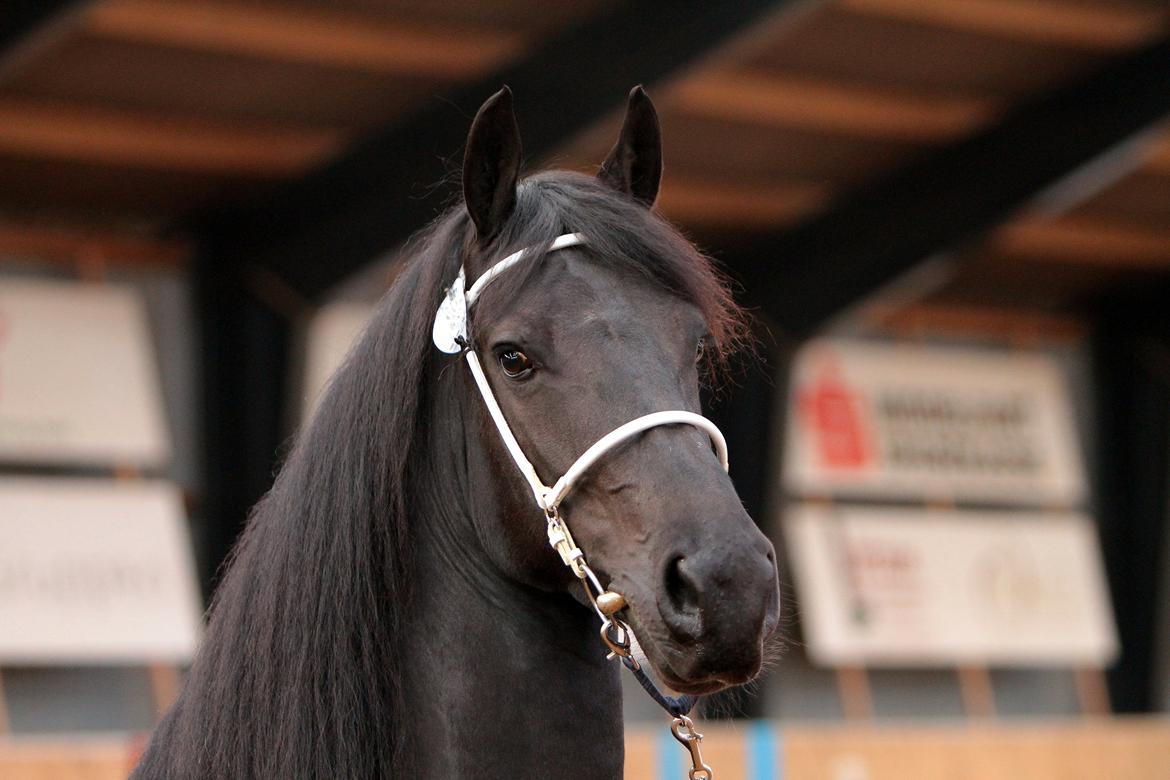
618,645
683,729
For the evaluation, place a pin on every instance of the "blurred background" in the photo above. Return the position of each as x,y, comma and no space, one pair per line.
950,218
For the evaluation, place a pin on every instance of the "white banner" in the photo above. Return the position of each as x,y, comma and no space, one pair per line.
93,571
78,381
896,421
916,587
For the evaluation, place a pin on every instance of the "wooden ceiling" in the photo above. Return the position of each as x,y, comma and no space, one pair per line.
824,99
128,116
1115,233
772,130
1104,231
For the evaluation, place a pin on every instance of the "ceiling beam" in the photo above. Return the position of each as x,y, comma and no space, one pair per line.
1082,240
736,204
27,25
329,38
147,140
1158,161
1095,27
868,239
852,109
329,224
1014,326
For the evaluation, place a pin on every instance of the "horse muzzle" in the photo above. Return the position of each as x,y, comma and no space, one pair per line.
717,607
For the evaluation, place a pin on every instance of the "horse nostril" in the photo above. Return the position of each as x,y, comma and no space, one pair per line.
683,593
727,594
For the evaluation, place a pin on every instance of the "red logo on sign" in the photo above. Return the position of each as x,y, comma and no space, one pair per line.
834,415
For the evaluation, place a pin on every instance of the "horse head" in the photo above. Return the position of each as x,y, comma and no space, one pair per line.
582,340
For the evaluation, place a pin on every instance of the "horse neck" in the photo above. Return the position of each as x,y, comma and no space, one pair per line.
500,679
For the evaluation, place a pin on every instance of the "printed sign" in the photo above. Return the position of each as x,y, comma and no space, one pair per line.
332,332
917,587
78,382
93,571
896,421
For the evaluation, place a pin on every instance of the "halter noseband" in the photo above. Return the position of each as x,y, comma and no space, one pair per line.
450,334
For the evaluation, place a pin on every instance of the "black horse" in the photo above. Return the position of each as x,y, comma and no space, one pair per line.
394,609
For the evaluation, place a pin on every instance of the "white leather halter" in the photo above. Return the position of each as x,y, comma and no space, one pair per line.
450,335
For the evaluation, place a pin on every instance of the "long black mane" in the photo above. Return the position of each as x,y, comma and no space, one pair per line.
300,670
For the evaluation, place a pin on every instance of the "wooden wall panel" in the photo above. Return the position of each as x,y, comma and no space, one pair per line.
1088,749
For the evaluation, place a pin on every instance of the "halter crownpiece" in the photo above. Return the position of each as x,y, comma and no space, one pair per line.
451,335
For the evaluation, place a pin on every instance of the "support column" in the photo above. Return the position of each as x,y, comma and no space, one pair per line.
1131,362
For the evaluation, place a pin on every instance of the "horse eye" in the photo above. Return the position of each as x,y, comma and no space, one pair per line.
515,363
700,349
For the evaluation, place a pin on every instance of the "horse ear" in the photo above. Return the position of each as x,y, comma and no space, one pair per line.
634,165
491,165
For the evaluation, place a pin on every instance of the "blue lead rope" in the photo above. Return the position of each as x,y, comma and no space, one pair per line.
676,706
